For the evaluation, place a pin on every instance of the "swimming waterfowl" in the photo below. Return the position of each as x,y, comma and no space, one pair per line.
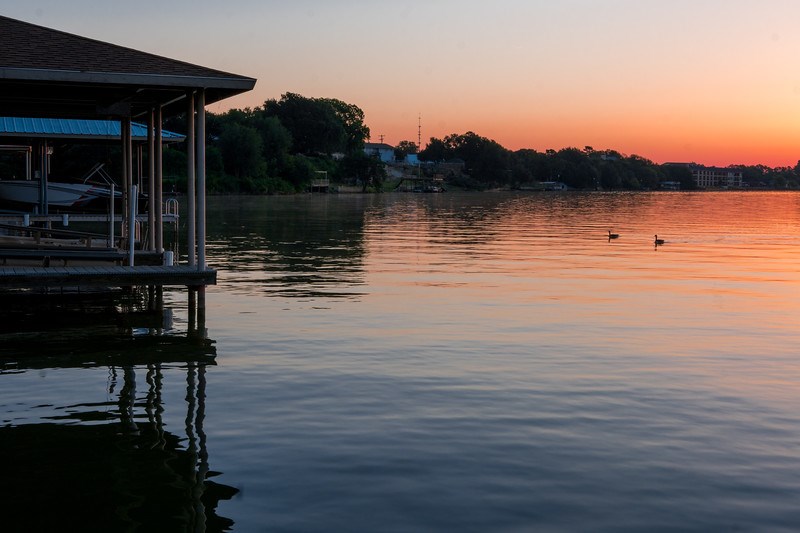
658,241
613,235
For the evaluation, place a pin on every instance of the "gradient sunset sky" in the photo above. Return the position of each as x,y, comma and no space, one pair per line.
716,82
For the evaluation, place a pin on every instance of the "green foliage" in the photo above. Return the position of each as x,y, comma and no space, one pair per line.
313,123
282,146
276,141
484,159
361,169
298,171
274,149
352,119
404,148
241,150
681,174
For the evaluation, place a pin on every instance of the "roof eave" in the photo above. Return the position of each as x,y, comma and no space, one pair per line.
142,80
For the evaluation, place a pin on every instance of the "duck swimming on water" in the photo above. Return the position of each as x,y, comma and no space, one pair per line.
658,241
613,235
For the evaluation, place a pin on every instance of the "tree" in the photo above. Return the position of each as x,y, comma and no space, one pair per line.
352,117
276,141
241,150
435,151
313,124
369,171
679,173
319,125
404,148
486,160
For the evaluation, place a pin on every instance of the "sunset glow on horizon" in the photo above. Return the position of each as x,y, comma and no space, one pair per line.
707,81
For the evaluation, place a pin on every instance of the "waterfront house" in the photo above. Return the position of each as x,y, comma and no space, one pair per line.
383,151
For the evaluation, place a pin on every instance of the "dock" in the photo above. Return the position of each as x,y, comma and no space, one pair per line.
119,276
62,90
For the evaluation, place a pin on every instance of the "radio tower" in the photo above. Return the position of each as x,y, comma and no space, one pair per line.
419,133
419,144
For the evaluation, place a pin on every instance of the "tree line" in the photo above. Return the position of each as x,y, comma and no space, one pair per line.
287,143
280,147
489,165
283,145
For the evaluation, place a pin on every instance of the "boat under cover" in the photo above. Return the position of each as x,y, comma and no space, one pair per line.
59,195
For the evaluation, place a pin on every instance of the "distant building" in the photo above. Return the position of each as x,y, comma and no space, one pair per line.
716,177
382,151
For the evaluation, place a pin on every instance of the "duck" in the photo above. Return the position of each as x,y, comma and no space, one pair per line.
613,235
658,241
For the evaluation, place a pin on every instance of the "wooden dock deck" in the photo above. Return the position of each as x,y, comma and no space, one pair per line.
105,276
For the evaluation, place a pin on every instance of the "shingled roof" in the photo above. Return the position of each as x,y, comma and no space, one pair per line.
46,72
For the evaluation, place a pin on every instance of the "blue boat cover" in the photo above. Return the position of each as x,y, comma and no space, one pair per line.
58,128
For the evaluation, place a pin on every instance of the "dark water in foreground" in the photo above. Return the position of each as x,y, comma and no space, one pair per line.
410,362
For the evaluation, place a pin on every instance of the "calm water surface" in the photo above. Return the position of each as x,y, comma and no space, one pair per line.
466,362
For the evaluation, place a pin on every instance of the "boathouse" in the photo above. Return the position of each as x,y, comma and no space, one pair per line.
46,73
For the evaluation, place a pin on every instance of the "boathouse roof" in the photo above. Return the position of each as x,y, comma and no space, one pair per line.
75,129
51,73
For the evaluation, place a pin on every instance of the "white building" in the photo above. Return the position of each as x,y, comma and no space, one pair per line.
716,177
382,151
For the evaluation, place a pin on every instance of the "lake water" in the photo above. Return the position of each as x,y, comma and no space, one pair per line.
428,362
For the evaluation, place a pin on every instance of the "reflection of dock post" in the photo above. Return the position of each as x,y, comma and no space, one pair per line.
155,403
197,448
202,468
201,311
192,312
197,311
155,298
127,399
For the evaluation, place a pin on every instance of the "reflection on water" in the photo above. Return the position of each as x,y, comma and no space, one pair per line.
501,365
301,248
465,362
85,432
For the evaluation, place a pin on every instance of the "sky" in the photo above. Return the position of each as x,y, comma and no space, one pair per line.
714,82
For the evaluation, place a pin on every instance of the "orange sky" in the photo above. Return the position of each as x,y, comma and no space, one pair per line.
709,81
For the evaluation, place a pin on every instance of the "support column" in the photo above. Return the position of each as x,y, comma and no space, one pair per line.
151,183
132,191
44,200
191,179
201,179
159,183
139,169
127,176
